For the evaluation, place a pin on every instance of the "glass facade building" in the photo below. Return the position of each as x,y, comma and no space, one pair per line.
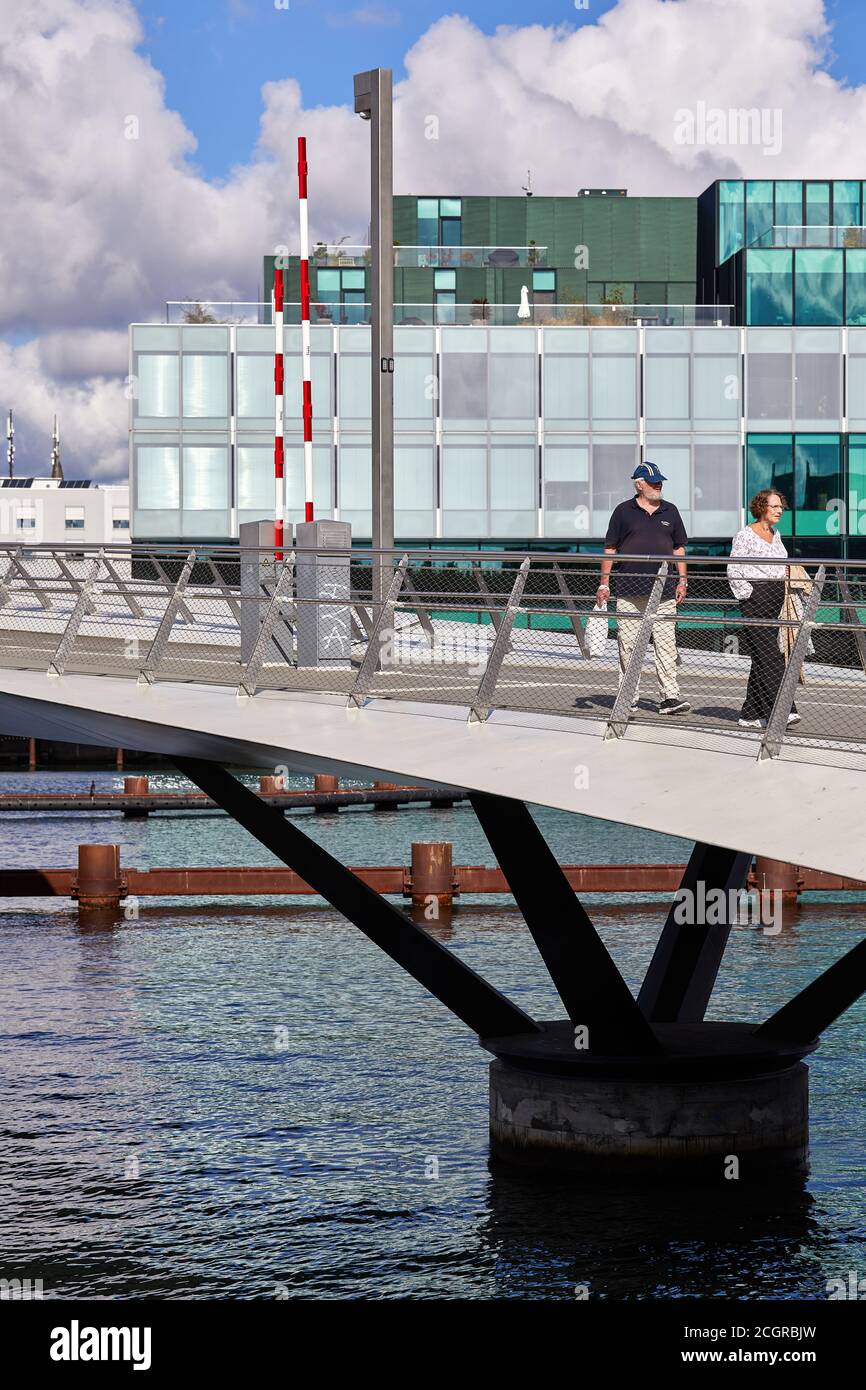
527,435
515,435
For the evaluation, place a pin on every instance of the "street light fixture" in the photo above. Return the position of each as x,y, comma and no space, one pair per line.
373,103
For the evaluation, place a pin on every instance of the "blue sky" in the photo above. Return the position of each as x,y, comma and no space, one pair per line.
215,54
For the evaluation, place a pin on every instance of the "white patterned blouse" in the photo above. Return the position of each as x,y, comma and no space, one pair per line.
747,543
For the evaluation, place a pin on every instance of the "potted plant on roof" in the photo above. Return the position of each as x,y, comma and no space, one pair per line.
533,257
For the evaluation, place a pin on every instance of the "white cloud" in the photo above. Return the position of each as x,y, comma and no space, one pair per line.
99,229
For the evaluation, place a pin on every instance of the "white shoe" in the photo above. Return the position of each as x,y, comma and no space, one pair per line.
794,718
751,723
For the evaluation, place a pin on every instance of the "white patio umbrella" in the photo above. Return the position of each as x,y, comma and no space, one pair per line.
523,311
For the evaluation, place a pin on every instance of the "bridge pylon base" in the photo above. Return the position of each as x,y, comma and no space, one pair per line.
727,1120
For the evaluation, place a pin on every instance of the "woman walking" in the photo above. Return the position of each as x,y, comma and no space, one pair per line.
759,589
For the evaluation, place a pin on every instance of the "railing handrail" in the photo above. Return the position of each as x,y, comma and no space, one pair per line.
232,549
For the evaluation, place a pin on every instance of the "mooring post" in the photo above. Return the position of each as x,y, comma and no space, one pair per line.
324,784
431,877
384,787
271,785
99,885
135,786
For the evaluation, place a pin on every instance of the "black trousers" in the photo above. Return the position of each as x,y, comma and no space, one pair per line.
762,644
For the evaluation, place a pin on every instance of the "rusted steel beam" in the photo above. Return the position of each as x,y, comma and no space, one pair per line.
393,879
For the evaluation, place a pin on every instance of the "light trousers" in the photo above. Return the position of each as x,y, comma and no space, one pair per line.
629,612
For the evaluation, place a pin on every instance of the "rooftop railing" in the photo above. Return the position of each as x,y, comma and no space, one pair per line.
478,630
434,257
461,315
817,237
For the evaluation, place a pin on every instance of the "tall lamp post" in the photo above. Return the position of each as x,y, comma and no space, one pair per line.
373,103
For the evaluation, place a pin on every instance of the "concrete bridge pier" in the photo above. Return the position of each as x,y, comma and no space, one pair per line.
690,1129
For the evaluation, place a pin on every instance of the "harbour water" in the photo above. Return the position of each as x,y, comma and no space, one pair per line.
247,1099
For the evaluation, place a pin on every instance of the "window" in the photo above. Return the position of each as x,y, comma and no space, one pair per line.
789,203
445,295
817,205
566,490
464,490
853,517
158,477
759,208
717,483
255,397
25,519
846,203
120,518
341,296
818,480
205,385
205,479
74,519
543,289
731,217
255,479
818,378
158,384
818,286
855,287
769,463
769,287
439,221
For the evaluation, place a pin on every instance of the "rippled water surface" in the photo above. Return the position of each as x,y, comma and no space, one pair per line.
249,1098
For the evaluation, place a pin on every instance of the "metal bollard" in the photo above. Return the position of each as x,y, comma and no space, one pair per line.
384,787
269,785
432,874
135,786
326,782
99,885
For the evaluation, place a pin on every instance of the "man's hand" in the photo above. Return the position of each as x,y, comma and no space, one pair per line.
602,594
682,590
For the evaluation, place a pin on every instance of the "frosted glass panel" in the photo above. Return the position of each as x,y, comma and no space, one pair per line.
356,481
857,388
354,401
464,477
205,479
157,477
566,388
613,388
414,388
255,478
512,478
413,478
667,388
255,386
158,384
716,388
566,491
464,385
818,387
320,383
512,386
205,385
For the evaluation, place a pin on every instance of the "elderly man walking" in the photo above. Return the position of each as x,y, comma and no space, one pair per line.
647,525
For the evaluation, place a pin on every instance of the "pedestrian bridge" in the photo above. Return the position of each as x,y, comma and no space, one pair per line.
466,668
487,673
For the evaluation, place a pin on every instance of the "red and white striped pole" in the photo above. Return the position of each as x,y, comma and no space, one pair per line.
305,327
279,478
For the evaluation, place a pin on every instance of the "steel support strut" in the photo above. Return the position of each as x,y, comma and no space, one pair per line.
818,1005
586,979
686,960
478,1004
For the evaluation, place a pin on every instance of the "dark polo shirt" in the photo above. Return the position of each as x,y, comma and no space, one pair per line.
634,531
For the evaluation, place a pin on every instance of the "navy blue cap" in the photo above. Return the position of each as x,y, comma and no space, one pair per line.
650,472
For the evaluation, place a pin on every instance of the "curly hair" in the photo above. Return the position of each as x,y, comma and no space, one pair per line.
758,504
